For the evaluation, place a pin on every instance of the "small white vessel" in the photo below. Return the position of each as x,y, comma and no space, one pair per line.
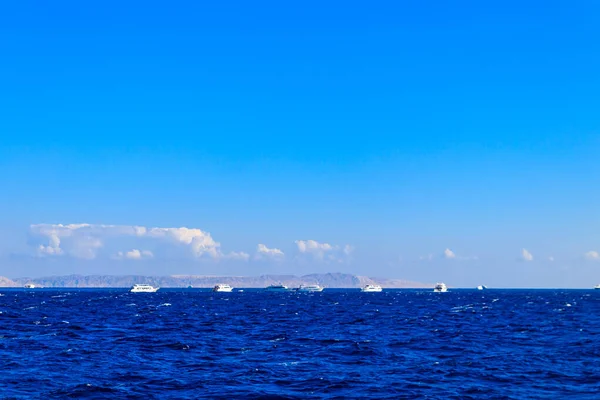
143,289
222,288
30,286
310,288
371,288
277,288
481,287
440,287
597,287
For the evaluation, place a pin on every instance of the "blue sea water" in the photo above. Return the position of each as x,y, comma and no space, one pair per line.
501,344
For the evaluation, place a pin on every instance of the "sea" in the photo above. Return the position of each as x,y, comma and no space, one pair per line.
337,344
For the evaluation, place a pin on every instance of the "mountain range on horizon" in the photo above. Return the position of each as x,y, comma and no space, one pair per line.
329,280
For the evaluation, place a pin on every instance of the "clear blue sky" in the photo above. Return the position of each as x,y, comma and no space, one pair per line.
399,128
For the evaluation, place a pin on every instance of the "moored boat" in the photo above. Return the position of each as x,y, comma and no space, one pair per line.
277,288
440,287
222,288
137,288
371,288
309,288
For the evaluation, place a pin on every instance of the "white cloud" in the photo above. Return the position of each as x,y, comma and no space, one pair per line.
449,254
134,254
526,255
324,251
84,240
313,247
592,255
263,251
199,241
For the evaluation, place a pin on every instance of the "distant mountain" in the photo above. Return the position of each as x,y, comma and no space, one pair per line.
5,282
329,280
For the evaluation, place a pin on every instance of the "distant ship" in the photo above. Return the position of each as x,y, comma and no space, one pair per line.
30,286
277,288
440,287
222,288
481,287
371,288
310,288
143,289
597,287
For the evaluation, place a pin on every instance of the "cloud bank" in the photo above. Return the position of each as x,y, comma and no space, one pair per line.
263,252
134,254
323,251
85,240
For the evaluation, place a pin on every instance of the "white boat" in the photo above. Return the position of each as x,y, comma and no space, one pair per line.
440,287
222,288
597,287
371,288
310,288
30,286
143,289
276,288
481,287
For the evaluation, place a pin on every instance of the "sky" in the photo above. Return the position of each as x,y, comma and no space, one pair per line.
427,141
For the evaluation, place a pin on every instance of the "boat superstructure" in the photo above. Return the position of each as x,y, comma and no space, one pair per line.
222,288
371,288
310,288
30,286
481,287
277,288
142,288
440,287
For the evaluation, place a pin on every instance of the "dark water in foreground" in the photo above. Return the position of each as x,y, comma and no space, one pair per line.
334,344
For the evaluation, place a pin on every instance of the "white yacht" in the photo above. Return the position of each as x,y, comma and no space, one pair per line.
143,289
597,287
222,288
481,287
440,287
30,286
310,288
277,288
371,288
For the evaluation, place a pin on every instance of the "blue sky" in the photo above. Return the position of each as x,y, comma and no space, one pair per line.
388,131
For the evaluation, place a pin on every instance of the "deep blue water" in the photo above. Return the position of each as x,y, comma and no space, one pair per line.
335,344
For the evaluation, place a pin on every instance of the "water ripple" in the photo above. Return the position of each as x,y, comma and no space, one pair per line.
334,344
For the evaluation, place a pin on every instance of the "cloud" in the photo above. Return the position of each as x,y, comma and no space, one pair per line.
526,255
551,258
323,251
592,255
449,254
134,254
84,240
263,251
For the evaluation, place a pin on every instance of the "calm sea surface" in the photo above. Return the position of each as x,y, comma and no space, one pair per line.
336,344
